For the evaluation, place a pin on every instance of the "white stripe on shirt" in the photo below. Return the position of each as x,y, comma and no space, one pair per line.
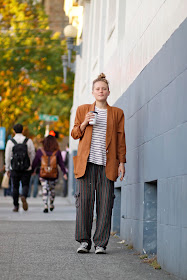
98,144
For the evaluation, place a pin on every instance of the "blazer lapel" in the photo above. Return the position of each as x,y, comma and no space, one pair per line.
92,107
89,128
109,129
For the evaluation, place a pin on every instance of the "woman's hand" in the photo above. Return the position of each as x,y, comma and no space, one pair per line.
89,116
121,170
65,177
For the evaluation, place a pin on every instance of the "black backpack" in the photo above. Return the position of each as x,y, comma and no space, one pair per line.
20,160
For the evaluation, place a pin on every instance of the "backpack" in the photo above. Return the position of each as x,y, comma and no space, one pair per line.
20,160
48,169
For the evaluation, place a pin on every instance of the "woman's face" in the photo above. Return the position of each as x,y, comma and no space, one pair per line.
100,91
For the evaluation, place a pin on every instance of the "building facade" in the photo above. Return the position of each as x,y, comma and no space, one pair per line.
57,18
141,47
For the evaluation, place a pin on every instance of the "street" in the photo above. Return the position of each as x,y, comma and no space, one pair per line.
39,246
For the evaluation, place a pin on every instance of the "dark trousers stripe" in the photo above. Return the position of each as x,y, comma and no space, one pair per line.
94,181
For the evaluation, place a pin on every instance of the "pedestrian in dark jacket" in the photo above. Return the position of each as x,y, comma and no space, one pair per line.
50,148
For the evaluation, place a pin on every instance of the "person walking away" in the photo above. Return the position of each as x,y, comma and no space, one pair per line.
100,160
65,158
19,154
49,156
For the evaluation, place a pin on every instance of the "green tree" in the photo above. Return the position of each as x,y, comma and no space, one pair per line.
31,75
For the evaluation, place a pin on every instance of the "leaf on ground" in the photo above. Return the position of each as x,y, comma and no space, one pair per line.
144,256
121,242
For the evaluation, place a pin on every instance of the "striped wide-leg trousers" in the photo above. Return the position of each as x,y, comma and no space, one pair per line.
94,181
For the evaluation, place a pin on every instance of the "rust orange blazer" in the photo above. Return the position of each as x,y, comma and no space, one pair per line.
115,141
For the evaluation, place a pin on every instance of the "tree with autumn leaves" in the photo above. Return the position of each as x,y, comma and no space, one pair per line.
31,72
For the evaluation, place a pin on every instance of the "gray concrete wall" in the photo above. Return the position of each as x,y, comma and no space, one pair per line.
156,136
116,217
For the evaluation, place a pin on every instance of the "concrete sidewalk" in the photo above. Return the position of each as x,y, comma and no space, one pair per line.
36,249
64,210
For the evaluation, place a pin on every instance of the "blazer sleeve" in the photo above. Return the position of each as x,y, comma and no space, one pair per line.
76,132
121,147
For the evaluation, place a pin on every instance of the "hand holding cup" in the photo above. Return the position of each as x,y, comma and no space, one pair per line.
88,118
94,117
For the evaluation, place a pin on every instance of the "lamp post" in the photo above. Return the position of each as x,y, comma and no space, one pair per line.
65,66
70,33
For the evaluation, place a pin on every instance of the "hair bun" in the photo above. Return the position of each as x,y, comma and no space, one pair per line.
102,76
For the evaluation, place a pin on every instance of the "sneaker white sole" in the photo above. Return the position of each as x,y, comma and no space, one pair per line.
100,251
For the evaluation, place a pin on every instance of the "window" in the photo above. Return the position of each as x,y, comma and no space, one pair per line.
150,218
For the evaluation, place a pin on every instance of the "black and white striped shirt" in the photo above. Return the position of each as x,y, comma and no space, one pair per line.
98,144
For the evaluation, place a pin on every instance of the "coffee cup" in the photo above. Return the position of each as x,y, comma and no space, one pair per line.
93,120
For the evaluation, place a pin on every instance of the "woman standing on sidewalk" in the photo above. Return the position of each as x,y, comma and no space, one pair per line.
51,152
100,160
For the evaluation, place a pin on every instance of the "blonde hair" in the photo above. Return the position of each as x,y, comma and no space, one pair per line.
101,78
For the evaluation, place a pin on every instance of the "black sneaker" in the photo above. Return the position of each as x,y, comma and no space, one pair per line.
52,207
84,248
45,208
